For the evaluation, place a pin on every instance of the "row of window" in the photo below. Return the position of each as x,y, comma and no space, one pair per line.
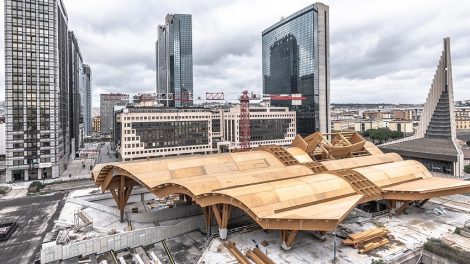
200,148
163,117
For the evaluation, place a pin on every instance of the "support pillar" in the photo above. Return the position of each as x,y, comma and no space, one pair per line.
26,175
402,207
121,195
423,202
188,199
222,215
207,211
288,237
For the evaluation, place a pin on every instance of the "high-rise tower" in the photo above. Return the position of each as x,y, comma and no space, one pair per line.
296,60
36,89
174,61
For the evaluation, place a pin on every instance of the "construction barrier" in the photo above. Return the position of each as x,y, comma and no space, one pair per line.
51,252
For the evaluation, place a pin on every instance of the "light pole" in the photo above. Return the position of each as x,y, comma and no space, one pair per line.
334,246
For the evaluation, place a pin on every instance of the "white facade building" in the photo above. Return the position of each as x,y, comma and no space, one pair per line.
150,132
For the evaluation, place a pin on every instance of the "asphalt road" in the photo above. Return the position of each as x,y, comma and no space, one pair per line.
35,217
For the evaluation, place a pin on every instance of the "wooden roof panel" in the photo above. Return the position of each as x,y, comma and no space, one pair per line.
268,187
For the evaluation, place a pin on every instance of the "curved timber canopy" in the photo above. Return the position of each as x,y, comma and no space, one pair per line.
312,185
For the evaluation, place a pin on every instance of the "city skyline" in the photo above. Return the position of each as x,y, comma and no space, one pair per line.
379,56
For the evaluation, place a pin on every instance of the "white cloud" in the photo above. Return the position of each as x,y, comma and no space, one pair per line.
381,51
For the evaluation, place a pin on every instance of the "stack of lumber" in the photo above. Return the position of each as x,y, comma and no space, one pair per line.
367,240
254,255
236,253
258,257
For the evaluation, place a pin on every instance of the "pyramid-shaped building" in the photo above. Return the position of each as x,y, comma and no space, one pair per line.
435,143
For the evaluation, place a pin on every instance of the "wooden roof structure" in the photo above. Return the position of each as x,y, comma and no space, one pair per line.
313,185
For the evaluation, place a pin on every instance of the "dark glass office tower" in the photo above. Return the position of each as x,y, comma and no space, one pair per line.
75,61
296,61
174,61
36,89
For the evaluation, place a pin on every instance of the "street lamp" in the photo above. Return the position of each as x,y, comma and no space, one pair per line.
334,246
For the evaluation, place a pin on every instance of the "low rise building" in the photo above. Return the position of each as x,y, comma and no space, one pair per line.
361,125
462,118
96,124
150,132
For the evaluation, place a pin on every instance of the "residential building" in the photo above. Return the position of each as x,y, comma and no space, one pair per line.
36,89
149,132
107,103
435,142
462,118
403,114
85,99
96,124
174,61
296,61
373,115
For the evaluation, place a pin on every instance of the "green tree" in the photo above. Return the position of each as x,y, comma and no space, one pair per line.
396,134
466,168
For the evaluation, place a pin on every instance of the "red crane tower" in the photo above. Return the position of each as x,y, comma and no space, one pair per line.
245,133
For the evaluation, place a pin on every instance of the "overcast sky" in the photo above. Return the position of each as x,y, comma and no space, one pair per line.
381,51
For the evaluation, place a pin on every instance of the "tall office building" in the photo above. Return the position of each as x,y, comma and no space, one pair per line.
107,104
85,99
296,60
75,61
36,89
174,61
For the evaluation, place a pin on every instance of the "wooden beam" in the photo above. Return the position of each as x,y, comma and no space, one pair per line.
115,196
226,210
207,211
402,208
288,237
253,257
121,196
128,192
262,256
423,202
236,253
218,217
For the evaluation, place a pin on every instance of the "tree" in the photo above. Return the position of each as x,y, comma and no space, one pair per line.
466,168
396,134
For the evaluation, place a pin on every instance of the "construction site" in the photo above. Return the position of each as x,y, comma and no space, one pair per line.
327,197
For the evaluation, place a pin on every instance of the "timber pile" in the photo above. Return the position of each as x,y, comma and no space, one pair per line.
368,240
258,257
255,255
236,253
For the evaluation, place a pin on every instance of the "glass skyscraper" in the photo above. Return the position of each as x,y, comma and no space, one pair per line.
174,61
296,61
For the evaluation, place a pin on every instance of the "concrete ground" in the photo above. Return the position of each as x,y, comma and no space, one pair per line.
407,231
186,248
35,217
